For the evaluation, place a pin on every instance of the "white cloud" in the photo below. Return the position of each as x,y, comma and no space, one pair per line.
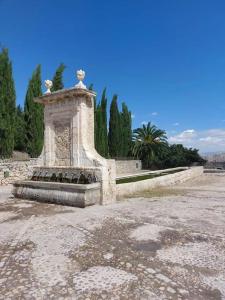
132,116
184,136
176,124
154,113
205,140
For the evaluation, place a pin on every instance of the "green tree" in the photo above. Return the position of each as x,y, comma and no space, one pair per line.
149,142
57,81
20,144
33,115
176,157
95,119
7,105
126,127
105,148
193,157
180,156
98,129
101,126
114,136
91,87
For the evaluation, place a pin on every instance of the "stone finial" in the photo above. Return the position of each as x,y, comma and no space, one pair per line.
80,77
48,85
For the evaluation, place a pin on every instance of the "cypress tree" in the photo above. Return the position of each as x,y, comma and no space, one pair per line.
20,132
98,127
90,87
33,115
57,81
114,137
105,149
95,123
101,139
95,118
101,126
7,106
126,124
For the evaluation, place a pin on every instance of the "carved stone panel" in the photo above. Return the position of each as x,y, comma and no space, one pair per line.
62,144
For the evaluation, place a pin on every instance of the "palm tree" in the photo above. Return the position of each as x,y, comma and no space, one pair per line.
148,143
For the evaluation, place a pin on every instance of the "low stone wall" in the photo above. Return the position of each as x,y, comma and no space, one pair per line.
79,195
17,170
213,171
127,166
215,165
126,189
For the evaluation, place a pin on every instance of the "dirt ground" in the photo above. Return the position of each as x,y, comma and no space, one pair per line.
164,244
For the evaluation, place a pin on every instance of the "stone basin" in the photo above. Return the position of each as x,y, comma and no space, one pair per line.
79,195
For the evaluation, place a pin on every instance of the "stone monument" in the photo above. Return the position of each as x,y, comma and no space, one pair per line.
71,170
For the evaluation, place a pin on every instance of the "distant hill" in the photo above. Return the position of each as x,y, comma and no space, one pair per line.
214,156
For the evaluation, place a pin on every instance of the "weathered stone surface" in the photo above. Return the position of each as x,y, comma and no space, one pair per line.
62,144
79,195
102,278
17,170
128,166
52,251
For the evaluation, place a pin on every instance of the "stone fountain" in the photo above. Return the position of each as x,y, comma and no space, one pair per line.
71,171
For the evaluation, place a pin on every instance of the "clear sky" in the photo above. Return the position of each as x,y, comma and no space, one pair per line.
164,58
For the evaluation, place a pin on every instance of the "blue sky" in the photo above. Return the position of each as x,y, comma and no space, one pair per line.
164,58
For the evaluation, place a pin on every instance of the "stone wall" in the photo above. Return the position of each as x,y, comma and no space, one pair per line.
126,189
17,170
127,166
215,165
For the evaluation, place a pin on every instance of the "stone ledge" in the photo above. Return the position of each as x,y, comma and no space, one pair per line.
64,94
79,195
126,189
57,185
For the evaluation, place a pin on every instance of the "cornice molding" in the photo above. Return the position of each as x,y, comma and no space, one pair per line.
65,94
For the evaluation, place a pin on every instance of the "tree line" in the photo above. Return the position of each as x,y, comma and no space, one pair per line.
113,140
22,129
150,144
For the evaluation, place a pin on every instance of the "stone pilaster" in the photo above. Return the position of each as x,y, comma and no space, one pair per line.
49,136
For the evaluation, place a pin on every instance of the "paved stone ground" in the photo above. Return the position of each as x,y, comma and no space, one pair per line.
165,244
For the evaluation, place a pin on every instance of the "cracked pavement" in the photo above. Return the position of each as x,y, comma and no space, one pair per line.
164,244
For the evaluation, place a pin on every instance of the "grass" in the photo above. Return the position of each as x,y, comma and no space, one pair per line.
144,177
155,193
158,192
